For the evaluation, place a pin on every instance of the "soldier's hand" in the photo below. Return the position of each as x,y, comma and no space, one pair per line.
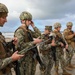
15,40
53,44
66,46
32,24
16,56
37,41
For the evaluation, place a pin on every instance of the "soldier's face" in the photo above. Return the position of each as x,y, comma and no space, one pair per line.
28,22
3,20
69,27
47,31
59,28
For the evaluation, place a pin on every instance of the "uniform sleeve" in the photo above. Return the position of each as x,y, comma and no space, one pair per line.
57,35
43,47
5,62
67,36
64,39
36,33
21,40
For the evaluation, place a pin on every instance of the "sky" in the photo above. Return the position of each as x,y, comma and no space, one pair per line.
44,12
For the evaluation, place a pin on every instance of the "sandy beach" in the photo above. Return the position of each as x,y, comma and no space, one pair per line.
8,39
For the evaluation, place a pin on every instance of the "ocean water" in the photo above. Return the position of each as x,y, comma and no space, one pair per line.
8,35
11,34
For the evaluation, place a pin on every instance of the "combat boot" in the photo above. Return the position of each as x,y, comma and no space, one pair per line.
66,73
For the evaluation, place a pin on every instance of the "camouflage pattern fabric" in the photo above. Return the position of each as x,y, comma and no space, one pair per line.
69,55
69,24
25,16
3,8
46,55
4,59
49,28
27,63
57,24
59,52
71,44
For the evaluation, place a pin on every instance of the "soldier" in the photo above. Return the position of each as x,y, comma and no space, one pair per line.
5,58
45,50
69,36
59,49
25,40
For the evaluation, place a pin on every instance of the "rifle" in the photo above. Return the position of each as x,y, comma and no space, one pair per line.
52,48
63,41
27,49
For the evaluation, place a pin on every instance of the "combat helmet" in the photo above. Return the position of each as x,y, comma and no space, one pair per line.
69,24
57,24
48,28
3,8
25,16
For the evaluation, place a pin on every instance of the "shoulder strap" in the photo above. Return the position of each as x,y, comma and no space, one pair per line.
21,27
27,33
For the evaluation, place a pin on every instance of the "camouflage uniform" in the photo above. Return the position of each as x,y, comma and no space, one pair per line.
46,53
59,50
71,44
5,59
5,53
27,63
